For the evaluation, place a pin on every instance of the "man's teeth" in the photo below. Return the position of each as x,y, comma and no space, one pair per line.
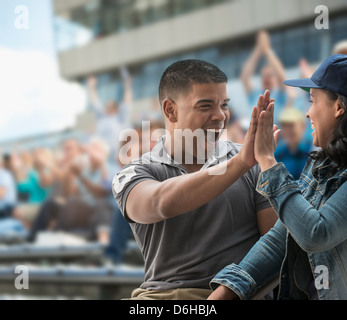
214,130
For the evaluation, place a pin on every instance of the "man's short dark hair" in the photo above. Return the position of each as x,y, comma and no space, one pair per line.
180,76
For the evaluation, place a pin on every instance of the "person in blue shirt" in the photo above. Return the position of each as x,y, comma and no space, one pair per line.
8,194
272,74
293,147
307,248
8,201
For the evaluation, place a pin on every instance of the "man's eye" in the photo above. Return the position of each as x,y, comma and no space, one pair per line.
225,106
206,106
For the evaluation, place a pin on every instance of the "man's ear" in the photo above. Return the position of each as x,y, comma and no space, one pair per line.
170,110
339,110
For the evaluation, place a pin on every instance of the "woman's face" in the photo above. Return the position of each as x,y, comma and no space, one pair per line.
323,116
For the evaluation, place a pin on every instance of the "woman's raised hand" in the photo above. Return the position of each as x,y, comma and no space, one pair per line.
247,153
266,137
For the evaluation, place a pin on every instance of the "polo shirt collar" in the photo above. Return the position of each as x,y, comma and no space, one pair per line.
159,154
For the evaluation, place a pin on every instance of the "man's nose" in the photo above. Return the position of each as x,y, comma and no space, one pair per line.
218,115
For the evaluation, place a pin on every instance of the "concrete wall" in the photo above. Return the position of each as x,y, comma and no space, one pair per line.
63,6
189,31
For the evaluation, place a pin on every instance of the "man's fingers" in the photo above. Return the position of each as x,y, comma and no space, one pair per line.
254,120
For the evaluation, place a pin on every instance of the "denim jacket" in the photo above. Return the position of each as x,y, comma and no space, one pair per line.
308,244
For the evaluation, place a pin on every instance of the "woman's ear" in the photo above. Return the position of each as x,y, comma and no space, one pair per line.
170,110
339,109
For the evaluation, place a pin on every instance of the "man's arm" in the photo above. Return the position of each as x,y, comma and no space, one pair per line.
125,108
96,189
45,168
249,68
273,60
266,220
94,98
2,192
69,187
152,201
223,293
262,48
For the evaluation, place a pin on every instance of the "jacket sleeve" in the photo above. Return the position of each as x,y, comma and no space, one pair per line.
314,230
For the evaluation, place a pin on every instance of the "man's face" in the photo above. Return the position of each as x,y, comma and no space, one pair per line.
71,149
342,51
204,107
111,107
268,78
292,132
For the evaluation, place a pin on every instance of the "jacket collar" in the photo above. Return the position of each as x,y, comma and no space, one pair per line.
327,169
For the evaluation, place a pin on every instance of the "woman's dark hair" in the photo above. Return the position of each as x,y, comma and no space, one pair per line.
336,149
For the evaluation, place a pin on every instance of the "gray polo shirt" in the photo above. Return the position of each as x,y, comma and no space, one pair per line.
188,250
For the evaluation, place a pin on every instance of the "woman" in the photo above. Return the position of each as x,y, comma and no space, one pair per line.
308,245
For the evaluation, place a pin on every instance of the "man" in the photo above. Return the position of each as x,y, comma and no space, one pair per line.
187,217
56,175
293,148
272,74
114,117
91,191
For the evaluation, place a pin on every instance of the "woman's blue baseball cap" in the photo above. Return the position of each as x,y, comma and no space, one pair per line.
330,75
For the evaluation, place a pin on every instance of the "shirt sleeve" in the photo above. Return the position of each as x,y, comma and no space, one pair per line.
260,201
126,180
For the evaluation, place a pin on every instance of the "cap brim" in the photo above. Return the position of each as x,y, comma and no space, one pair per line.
305,84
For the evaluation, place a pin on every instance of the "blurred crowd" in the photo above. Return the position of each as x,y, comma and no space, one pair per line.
68,188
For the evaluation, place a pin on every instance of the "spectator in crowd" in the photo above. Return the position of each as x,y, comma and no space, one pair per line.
272,74
8,203
78,201
234,130
292,148
340,47
90,189
59,180
307,247
115,117
32,181
187,219
8,194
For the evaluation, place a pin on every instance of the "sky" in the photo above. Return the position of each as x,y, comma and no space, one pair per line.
34,98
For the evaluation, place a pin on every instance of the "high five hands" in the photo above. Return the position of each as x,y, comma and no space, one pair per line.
262,136
267,135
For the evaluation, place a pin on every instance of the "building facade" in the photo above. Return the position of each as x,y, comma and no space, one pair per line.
97,37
